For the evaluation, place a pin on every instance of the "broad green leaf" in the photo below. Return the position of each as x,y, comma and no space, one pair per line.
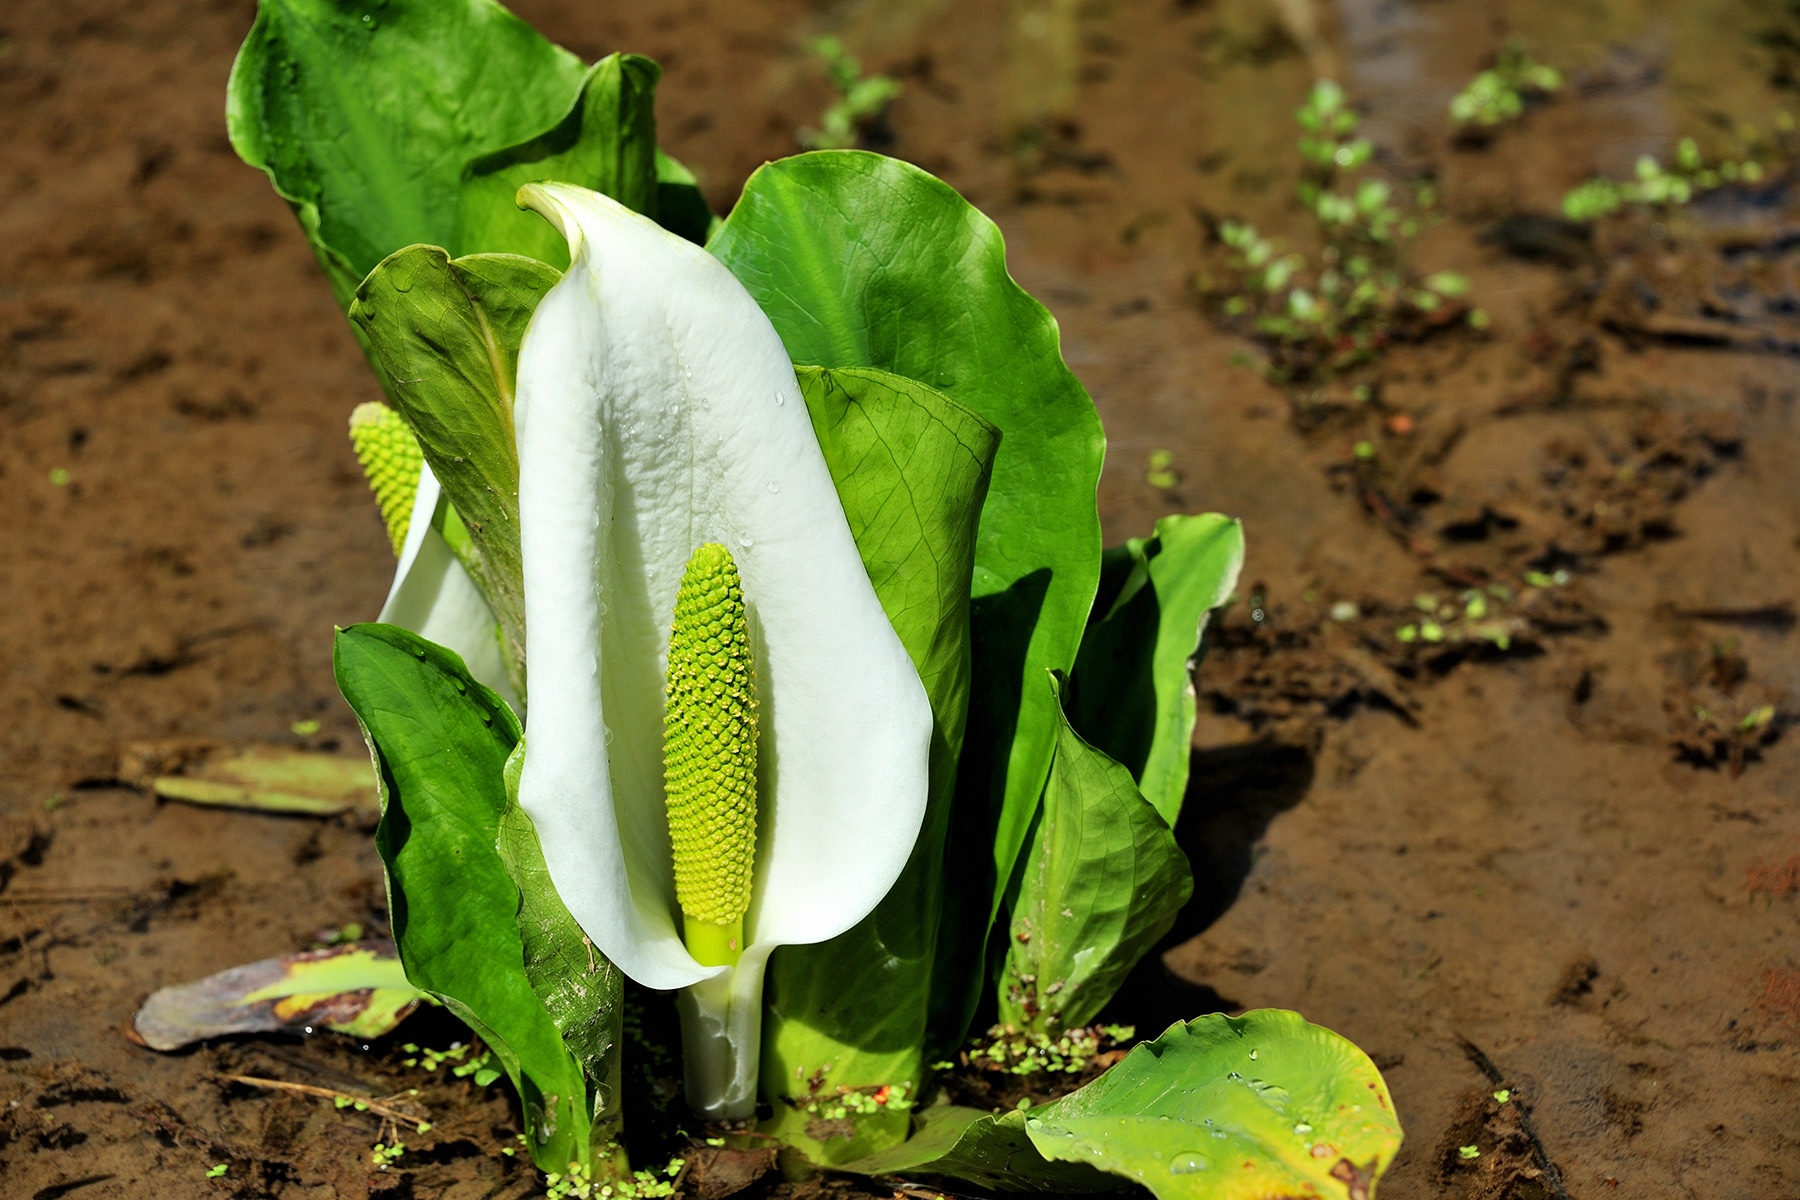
445,333
274,779
1232,1108
990,1151
440,743
365,116
581,990
359,989
911,468
1103,879
1132,694
1218,1108
415,121
861,260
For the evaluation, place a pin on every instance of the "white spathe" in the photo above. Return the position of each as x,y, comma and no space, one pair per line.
433,596
656,411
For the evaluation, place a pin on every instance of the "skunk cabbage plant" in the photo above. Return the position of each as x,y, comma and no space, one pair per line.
753,636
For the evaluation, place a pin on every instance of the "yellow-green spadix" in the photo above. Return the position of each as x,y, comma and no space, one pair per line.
657,412
432,594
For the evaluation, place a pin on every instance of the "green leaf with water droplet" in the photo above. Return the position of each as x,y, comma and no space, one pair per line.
1189,1116
441,742
1308,1115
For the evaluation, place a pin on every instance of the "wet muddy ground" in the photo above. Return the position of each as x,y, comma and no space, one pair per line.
1578,855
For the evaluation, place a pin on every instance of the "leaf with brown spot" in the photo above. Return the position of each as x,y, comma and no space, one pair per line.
359,989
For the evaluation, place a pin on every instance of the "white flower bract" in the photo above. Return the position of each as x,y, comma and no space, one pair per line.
657,410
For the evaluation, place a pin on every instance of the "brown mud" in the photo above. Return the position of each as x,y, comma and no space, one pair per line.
1578,855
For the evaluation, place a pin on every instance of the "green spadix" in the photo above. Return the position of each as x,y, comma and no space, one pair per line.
390,458
709,756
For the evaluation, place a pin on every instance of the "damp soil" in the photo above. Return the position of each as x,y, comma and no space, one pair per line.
1567,868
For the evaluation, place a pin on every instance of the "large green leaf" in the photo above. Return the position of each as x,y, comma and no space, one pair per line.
866,261
1232,1108
395,122
1133,689
440,743
365,116
1103,879
1219,1108
911,468
445,333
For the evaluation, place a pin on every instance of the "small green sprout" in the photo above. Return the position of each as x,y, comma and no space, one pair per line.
1498,94
1363,450
1469,1153
1503,1096
1329,311
1757,718
382,1156
305,728
59,476
1656,186
1010,1051
218,1170
1162,469
861,99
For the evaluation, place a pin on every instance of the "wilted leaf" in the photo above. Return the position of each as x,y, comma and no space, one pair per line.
275,779
359,989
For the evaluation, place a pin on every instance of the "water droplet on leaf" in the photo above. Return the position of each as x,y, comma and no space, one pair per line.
1187,1164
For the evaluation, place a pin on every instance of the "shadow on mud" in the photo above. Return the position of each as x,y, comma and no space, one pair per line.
1234,794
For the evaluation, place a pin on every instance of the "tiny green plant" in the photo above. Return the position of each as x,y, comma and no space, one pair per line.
861,98
1161,470
217,1170
1656,186
1323,314
1499,94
